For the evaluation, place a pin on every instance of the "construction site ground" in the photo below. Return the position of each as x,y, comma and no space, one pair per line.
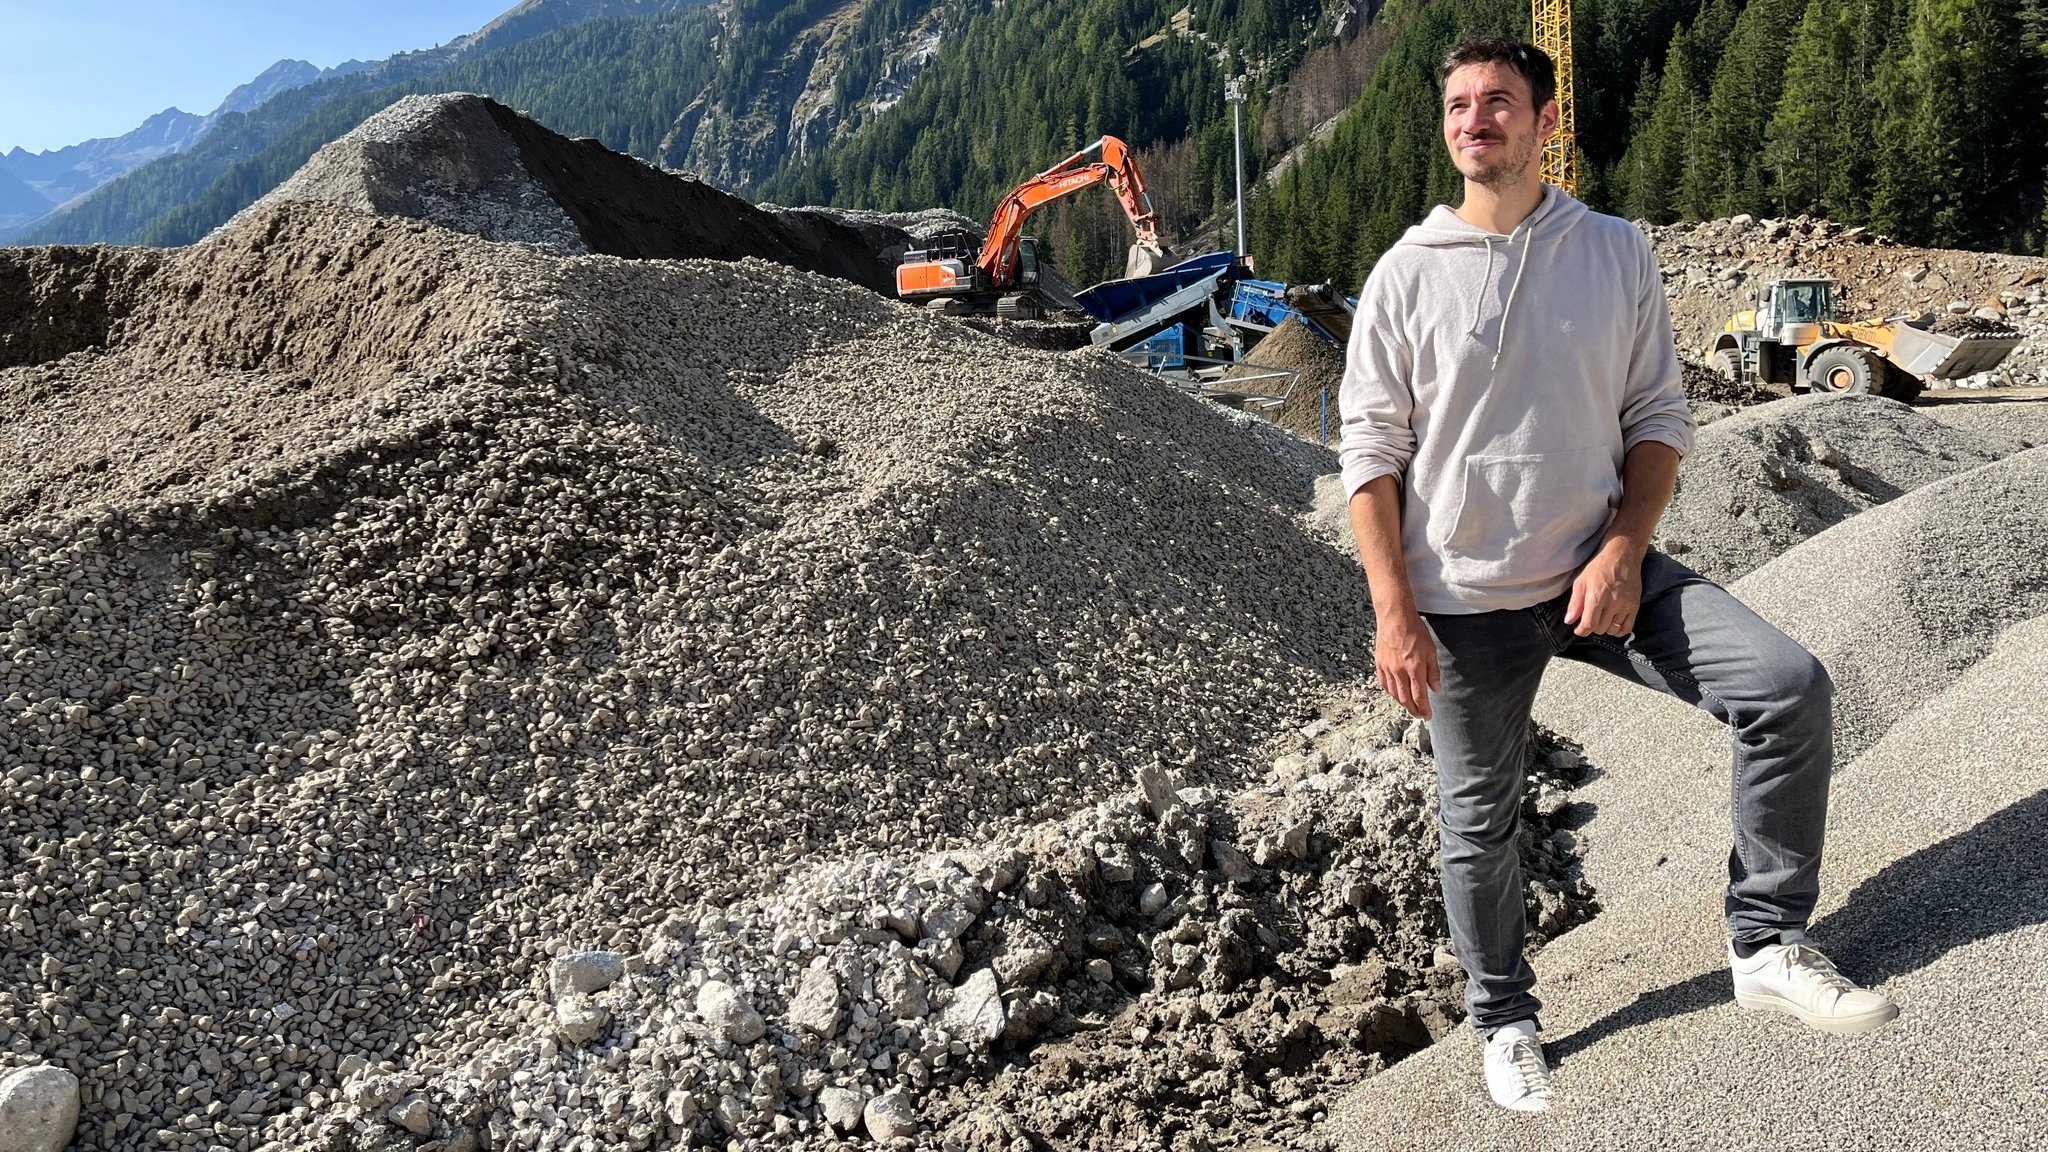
481,674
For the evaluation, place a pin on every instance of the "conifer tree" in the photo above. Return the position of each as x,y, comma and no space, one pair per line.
1821,96
1747,81
1963,127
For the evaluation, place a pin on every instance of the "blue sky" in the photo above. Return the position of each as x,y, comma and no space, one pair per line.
71,70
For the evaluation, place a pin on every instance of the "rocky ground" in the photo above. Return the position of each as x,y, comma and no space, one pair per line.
1715,268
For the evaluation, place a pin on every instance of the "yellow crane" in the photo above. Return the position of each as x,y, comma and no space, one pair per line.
1553,22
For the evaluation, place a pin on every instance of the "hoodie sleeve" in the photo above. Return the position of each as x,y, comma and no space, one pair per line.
1375,399
1654,405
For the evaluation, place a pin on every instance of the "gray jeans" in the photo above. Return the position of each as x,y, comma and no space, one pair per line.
1692,640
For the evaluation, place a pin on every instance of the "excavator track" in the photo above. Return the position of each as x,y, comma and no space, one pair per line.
1019,306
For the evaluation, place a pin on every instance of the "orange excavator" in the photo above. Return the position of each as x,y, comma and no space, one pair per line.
1003,276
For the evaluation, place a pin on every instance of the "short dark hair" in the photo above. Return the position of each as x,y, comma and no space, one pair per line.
1532,62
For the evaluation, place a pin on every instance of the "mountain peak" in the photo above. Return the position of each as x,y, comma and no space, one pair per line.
279,77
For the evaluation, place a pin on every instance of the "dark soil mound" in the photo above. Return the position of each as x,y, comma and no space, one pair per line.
623,207
1703,383
469,163
56,301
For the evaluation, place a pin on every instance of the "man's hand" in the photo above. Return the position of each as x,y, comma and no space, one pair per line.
1607,592
1405,655
1403,651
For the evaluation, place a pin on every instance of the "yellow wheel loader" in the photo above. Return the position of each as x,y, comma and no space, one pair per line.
1792,338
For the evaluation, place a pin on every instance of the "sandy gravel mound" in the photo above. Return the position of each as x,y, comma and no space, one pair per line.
1320,368
490,607
2010,425
471,164
1934,576
236,363
1765,478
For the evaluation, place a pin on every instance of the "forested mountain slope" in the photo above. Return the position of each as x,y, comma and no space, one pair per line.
1922,119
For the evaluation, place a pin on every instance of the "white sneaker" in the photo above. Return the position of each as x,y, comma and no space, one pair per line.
1517,1076
1797,980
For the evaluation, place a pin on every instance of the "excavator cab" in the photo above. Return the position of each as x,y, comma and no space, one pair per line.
1027,260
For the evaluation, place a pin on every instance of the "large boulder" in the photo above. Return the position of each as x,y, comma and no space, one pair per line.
38,1109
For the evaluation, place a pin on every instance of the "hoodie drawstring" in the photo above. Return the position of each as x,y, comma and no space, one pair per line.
1485,279
1527,243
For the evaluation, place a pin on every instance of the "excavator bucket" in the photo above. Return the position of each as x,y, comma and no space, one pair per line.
1147,259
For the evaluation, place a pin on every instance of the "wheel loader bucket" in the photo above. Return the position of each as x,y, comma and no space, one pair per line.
1942,357
1147,259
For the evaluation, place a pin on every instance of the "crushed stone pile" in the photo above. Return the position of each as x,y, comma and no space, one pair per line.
392,614
867,997
1935,574
1767,477
1715,268
471,164
1319,368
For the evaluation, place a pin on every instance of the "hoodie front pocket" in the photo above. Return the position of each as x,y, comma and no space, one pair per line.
1523,519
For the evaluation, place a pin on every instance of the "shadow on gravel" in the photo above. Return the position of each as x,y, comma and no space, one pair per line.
1977,884
1972,886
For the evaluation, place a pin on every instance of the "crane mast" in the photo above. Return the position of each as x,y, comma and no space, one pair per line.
1553,23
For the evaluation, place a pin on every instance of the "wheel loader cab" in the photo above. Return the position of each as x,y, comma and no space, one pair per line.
1793,310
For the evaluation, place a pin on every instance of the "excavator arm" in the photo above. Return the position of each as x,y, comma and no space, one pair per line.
1112,165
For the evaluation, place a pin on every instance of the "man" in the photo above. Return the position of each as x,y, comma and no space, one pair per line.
1513,424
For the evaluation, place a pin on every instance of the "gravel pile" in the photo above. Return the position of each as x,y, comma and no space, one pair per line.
441,158
392,613
2008,425
1933,577
1765,478
1319,365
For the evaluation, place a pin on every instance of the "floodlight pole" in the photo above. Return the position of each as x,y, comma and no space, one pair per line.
1233,93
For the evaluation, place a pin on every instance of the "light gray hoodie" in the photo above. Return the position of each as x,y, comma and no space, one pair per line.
1505,378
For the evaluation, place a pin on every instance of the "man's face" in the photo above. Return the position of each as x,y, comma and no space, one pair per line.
1492,125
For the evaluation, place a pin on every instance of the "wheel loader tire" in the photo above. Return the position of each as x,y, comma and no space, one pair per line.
1902,385
1847,368
1727,364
